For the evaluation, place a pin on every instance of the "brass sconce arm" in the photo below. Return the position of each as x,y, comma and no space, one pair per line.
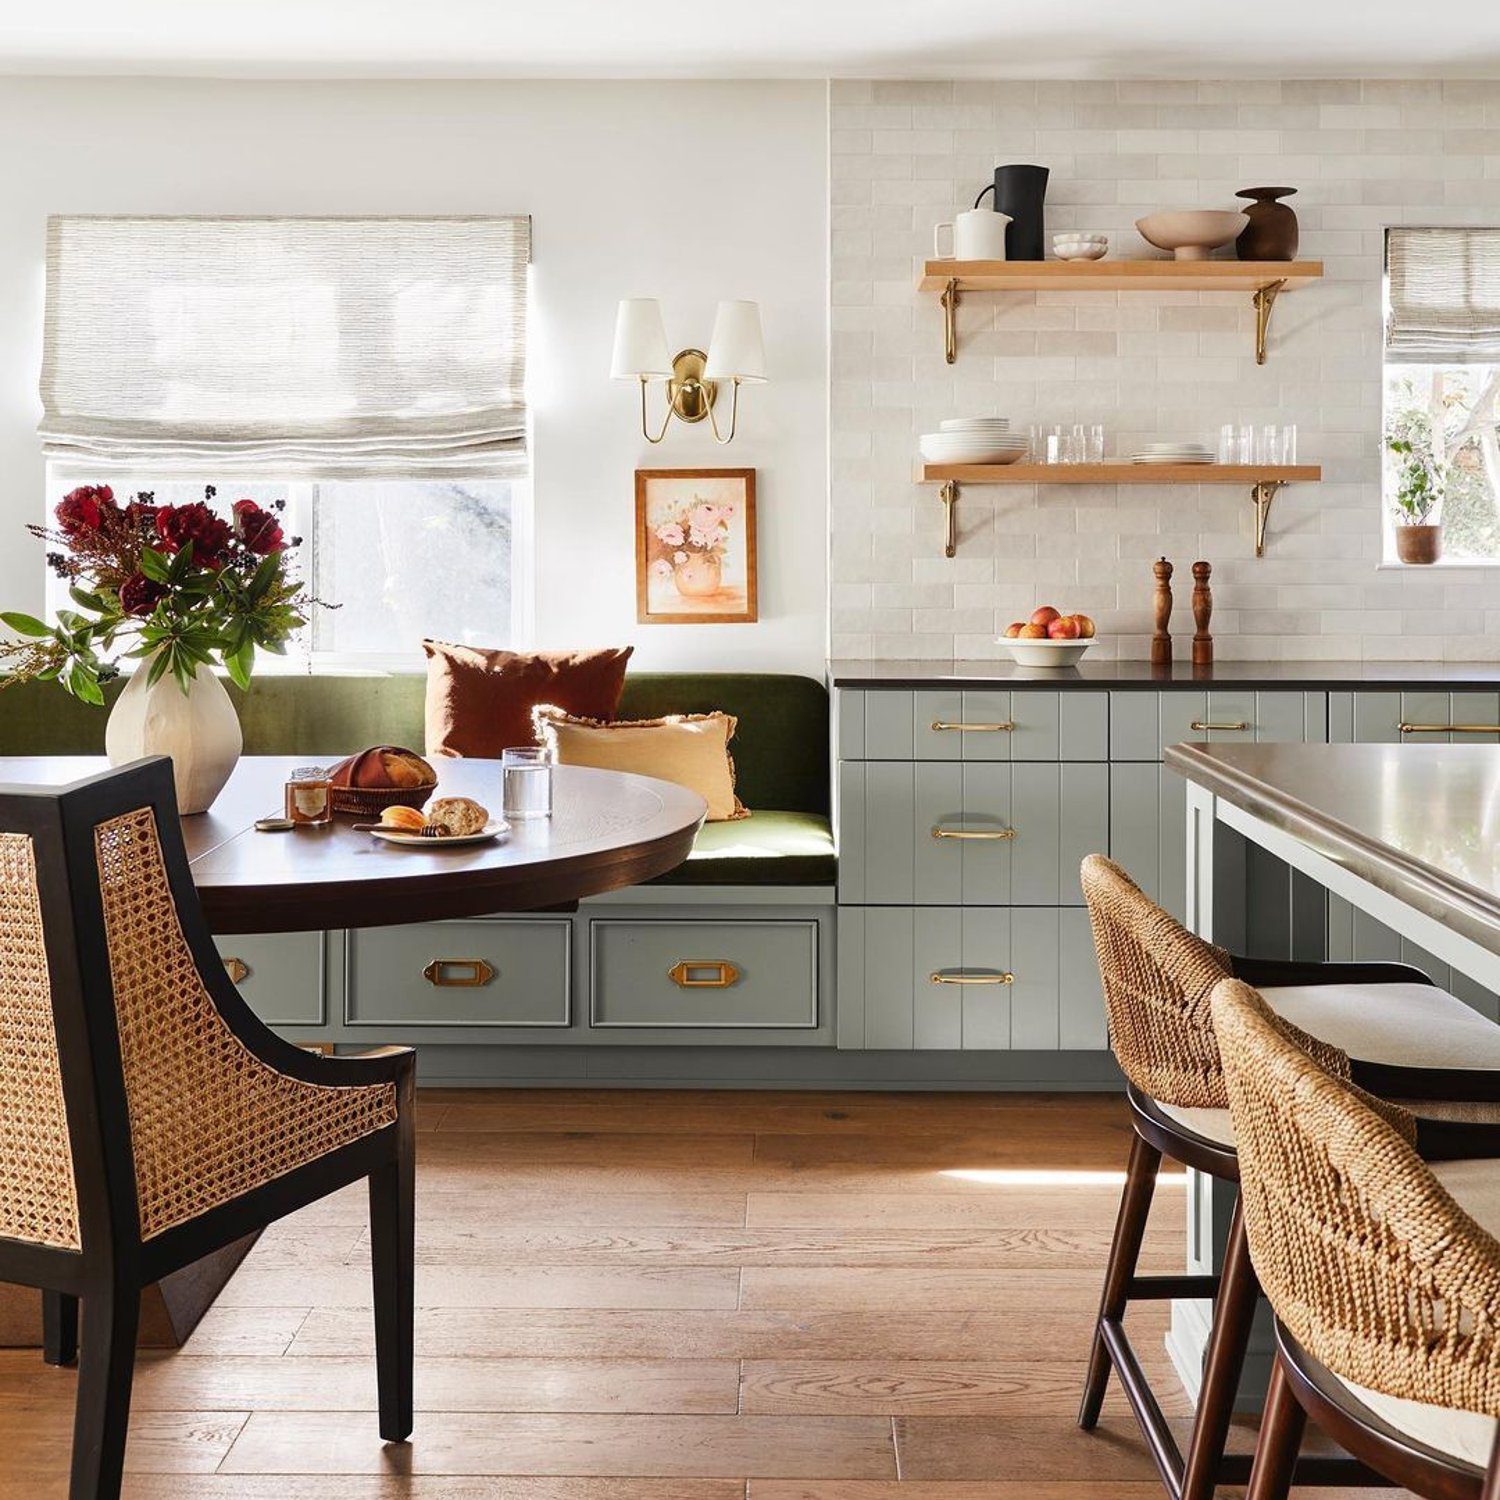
666,420
734,413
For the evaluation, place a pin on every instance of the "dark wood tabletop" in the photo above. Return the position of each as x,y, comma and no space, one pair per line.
608,829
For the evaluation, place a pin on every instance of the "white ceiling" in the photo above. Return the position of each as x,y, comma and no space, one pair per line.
752,38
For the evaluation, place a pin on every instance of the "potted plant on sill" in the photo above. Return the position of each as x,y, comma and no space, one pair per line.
179,589
1419,502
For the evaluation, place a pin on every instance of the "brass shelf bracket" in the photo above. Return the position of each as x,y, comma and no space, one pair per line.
1261,496
949,301
1265,300
949,496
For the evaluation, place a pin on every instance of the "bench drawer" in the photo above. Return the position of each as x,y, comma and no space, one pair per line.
472,973
281,976
977,725
746,975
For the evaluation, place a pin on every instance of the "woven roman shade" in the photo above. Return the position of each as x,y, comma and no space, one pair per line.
1444,295
314,347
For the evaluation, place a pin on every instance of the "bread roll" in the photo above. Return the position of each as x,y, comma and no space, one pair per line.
383,767
457,815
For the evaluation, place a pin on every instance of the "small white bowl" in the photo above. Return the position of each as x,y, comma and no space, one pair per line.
1079,237
1080,252
1046,653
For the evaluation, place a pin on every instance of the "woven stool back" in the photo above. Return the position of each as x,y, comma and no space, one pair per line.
1367,1260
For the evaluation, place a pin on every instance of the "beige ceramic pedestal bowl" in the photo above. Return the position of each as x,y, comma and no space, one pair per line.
1190,233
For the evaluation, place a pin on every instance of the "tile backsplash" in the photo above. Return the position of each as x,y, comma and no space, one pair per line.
1150,365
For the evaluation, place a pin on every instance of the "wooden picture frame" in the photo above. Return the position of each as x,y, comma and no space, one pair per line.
702,574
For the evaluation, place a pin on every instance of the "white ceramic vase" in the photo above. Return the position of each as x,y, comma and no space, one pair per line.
198,729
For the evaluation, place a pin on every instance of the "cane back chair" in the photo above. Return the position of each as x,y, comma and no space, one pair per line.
147,1117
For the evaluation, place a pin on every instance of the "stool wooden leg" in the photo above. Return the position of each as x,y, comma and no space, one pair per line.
1280,1439
1124,1252
59,1328
1234,1312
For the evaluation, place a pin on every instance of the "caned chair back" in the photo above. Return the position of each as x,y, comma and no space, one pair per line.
1368,1261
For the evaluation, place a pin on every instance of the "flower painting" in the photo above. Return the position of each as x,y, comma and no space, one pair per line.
695,546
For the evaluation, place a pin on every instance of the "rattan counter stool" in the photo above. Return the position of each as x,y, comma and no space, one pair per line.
147,1117
1383,1271
1411,1040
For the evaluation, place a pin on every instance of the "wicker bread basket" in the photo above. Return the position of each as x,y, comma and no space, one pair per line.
370,801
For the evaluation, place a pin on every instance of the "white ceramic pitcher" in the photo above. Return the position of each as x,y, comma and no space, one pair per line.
977,234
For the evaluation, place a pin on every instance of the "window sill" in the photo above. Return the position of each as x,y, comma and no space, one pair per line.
1458,565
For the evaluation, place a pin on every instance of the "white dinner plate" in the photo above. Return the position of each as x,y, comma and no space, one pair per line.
494,829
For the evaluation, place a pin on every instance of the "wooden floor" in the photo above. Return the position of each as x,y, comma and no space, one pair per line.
671,1296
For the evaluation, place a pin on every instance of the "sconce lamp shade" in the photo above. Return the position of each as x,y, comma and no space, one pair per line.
737,351
640,341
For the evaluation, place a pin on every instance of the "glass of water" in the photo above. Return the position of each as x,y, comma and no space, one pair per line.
526,782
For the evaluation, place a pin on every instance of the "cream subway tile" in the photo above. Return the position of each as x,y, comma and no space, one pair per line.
904,92
871,117
1173,91
1075,91
912,647
954,116
1001,92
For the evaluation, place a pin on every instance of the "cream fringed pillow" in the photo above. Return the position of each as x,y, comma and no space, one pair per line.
689,749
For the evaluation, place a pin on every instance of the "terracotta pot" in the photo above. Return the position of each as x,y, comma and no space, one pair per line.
701,575
1271,233
1419,544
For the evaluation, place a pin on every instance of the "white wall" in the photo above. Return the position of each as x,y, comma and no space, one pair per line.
686,191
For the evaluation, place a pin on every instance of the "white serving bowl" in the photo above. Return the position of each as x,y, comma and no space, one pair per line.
1080,252
1046,653
1191,233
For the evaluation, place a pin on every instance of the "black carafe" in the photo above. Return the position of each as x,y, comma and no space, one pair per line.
1019,191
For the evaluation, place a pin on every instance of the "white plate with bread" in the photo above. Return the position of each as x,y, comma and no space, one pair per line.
449,822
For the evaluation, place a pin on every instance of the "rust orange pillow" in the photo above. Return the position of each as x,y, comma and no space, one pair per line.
479,700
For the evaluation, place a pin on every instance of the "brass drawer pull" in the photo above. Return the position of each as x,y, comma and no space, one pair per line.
458,973
1006,978
942,725
237,969
973,833
1201,724
683,972
1448,728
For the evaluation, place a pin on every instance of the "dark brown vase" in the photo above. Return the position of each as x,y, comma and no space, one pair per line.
1271,233
1419,544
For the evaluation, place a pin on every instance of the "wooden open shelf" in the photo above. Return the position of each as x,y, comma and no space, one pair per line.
1117,275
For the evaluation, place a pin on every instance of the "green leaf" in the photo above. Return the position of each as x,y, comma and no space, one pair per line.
154,565
181,564
87,600
25,624
239,664
158,668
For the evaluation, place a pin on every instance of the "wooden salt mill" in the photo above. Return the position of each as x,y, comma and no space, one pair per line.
1161,642
1203,609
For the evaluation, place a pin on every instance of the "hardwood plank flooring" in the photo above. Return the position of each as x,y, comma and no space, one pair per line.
672,1296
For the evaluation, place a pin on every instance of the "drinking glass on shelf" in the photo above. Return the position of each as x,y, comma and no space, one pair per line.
1268,444
1244,444
526,782
1288,444
1095,453
1228,444
1077,446
1036,443
1056,446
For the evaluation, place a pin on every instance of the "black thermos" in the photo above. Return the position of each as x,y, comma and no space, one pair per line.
1019,191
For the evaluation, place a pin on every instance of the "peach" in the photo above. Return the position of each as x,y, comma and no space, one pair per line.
1063,629
1014,629
1032,633
1045,616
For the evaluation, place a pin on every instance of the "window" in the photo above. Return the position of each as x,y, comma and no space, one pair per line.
369,372
1442,389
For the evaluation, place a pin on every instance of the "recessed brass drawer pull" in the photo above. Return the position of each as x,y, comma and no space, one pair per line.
237,969
458,973
703,974
942,725
1006,978
985,834
1201,724
1448,728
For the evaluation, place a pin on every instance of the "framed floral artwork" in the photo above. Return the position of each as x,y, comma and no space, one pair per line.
695,546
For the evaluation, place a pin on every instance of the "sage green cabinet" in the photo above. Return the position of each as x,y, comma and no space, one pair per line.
282,976
1430,718
966,725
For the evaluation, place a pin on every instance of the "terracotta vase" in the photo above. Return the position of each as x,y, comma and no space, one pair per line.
1271,233
199,730
1419,544
701,575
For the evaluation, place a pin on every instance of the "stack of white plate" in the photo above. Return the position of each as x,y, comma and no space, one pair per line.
973,440
1173,453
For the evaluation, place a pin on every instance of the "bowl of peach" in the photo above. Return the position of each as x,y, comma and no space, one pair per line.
1049,638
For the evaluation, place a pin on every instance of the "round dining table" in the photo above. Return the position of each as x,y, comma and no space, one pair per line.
607,829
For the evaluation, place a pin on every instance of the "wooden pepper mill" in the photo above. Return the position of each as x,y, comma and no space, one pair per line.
1161,642
1203,609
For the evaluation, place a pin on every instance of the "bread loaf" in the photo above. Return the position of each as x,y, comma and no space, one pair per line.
384,767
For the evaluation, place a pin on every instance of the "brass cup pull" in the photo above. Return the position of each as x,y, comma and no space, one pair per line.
1005,978
982,834
1448,728
237,969
942,725
1201,724
703,974
458,973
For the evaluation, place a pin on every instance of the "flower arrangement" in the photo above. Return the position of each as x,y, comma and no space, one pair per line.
176,583
697,530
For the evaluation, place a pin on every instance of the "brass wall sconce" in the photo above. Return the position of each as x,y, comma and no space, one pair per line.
736,353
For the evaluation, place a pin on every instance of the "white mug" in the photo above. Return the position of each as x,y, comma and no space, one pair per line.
978,234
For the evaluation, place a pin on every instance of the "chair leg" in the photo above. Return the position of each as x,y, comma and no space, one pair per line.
59,1328
106,1370
1124,1252
1234,1313
393,1256
1276,1448
1491,1489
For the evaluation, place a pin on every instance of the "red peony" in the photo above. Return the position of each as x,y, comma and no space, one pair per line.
139,595
258,529
177,525
82,510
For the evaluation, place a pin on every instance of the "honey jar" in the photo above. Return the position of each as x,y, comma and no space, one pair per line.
309,798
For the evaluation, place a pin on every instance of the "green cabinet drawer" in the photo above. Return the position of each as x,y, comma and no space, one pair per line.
476,973
703,975
281,975
983,833
1425,718
972,725
1143,724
